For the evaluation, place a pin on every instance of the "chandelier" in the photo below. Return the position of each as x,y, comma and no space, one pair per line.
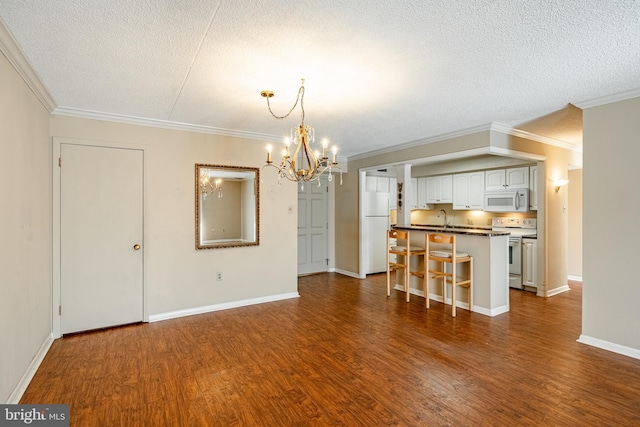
305,164
207,187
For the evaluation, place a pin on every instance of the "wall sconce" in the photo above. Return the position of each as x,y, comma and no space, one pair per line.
559,183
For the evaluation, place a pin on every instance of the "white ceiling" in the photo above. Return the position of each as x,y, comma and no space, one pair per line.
378,73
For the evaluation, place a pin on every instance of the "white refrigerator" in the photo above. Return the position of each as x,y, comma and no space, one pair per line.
376,212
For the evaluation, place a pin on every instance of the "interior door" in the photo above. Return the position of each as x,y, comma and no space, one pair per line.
101,235
312,229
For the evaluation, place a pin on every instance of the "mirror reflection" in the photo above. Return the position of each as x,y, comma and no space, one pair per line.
227,206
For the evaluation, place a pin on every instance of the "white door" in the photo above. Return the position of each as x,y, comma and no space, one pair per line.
101,235
312,229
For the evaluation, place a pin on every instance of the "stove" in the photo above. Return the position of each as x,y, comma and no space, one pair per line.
519,228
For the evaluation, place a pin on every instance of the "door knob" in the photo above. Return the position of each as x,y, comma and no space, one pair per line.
136,247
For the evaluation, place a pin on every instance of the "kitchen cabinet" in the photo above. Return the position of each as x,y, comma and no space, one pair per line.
467,190
414,194
377,184
499,179
533,188
422,193
440,189
529,277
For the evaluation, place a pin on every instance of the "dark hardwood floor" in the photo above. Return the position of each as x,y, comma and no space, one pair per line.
343,354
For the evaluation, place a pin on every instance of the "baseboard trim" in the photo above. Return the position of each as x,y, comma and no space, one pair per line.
480,310
609,346
17,393
218,307
559,290
347,273
575,278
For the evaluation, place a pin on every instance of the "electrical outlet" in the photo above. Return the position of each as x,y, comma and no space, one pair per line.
469,221
219,276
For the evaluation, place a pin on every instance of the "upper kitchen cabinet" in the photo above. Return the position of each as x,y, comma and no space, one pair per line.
440,189
422,193
377,184
533,188
414,194
467,190
499,179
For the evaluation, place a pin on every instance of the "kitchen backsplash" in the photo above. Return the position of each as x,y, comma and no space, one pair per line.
480,219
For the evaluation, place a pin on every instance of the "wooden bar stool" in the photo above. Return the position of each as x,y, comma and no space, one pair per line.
442,254
399,244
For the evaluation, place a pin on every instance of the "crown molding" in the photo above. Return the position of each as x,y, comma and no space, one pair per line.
494,126
419,142
165,124
498,127
608,99
10,49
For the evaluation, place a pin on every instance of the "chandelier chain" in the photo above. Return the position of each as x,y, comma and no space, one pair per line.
299,98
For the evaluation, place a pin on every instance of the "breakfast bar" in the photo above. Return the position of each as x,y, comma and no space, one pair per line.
490,251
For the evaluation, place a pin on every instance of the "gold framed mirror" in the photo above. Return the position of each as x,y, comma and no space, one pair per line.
227,206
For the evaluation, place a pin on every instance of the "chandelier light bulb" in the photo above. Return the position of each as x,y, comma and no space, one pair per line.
269,153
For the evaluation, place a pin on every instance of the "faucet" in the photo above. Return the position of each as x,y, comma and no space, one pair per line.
446,224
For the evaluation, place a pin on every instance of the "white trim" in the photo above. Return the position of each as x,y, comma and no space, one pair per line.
493,312
17,393
420,142
608,99
362,255
498,151
557,291
56,284
609,346
574,278
223,306
348,273
164,124
499,127
480,310
9,47
493,126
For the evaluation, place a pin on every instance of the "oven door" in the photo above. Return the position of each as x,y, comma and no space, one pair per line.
515,262
515,256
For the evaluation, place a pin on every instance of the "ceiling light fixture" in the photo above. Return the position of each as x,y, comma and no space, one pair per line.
305,165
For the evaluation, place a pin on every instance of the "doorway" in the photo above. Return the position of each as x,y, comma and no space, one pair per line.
98,235
313,227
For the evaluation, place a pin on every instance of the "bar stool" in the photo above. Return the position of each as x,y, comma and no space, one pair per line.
442,254
403,254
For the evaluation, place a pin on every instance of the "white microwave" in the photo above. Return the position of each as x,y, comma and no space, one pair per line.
508,200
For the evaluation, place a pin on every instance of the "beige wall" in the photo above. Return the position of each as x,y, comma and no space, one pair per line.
25,215
178,277
552,207
574,264
611,202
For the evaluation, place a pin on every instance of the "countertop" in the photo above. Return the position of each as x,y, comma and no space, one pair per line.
457,229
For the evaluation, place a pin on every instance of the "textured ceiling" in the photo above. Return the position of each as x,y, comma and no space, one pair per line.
377,73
